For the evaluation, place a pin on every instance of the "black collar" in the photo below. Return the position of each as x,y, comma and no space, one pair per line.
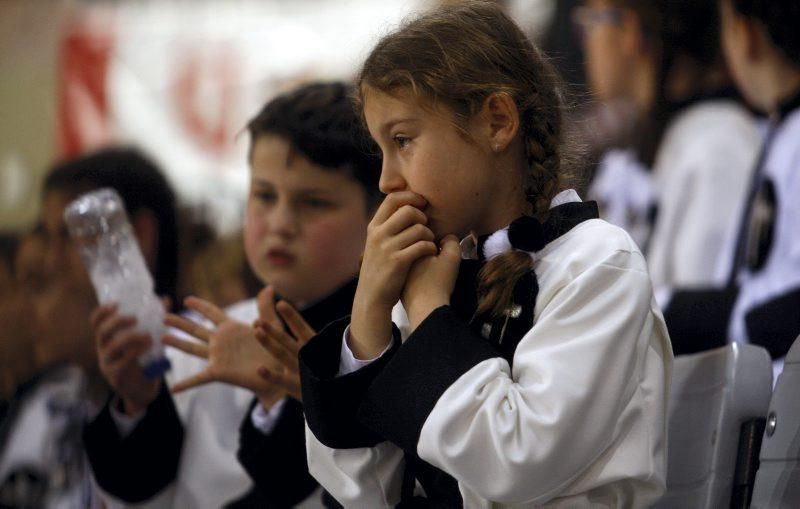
729,92
527,234
328,309
788,105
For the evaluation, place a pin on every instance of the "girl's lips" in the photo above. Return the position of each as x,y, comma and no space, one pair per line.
279,257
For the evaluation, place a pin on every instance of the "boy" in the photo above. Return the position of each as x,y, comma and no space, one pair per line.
313,187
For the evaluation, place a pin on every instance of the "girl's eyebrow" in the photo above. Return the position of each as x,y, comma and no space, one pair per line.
388,125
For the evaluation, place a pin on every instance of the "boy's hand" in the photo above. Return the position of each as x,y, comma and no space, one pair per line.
233,353
397,236
119,346
430,281
283,346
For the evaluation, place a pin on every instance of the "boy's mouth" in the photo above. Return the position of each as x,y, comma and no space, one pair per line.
280,257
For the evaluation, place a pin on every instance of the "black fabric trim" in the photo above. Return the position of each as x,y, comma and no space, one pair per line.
729,92
331,308
567,216
560,220
276,462
775,324
331,401
788,105
435,355
697,320
137,467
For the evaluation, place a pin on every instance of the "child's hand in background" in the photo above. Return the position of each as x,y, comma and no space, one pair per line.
234,354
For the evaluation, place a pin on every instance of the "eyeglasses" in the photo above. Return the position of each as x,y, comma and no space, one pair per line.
585,18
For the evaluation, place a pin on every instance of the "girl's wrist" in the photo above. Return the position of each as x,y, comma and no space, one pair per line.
370,331
420,310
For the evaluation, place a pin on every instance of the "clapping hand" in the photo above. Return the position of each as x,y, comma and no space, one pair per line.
234,354
284,347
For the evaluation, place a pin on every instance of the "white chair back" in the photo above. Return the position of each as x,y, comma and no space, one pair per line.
778,477
712,394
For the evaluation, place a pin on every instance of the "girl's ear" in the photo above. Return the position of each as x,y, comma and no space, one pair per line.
501,118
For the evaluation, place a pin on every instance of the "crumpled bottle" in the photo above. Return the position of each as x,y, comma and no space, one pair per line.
100,229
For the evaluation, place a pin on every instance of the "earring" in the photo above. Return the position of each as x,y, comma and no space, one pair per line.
497,147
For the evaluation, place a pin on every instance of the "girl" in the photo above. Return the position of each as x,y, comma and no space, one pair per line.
547,386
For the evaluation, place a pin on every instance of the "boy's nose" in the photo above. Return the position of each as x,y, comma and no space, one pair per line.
283,221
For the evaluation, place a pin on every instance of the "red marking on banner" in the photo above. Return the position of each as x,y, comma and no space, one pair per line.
204,95
82,99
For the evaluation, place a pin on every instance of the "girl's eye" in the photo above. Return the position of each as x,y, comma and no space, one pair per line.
401,141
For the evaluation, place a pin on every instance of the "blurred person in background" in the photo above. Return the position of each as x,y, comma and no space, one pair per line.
762,46
20,278
42,462
694,146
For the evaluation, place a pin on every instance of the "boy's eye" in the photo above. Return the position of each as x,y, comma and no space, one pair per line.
265,197
317,203
401,141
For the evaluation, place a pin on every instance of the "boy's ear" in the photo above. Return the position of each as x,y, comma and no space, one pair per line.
501,118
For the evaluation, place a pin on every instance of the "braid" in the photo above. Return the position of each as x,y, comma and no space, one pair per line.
496,281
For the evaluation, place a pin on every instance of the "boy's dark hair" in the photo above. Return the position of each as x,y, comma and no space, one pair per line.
319,120
781,18
142,186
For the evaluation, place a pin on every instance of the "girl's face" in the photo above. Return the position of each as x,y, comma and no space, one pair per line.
425,153
305,225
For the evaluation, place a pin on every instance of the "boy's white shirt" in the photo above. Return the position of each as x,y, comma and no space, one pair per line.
209,474
526,437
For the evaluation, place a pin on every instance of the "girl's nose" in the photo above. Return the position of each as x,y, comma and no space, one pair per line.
391,180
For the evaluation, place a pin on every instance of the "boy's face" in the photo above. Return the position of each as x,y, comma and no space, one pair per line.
305,225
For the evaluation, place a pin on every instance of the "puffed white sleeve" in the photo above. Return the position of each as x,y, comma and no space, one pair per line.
523,434
357,466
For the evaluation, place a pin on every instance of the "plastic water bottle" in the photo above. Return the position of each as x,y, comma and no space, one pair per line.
99,226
